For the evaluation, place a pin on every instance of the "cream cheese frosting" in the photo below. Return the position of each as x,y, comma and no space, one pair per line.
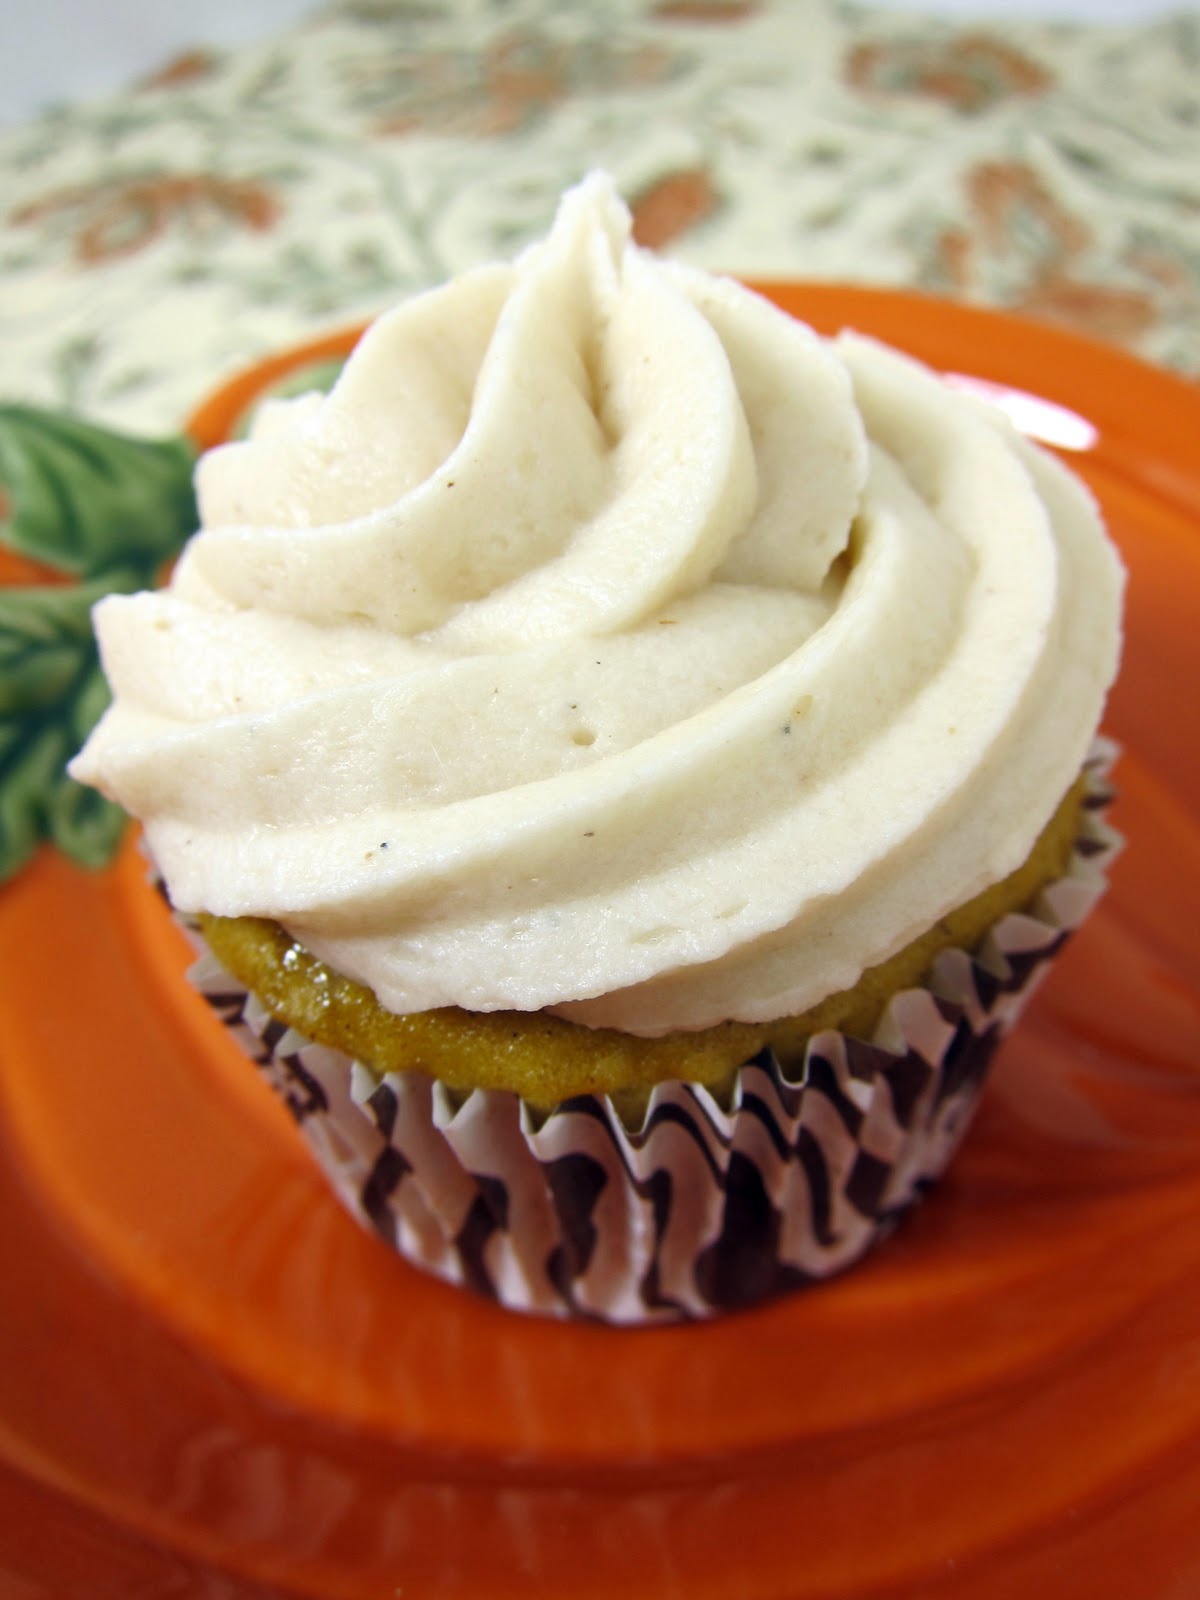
608,642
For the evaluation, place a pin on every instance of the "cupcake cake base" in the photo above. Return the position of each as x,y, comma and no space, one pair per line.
706,1205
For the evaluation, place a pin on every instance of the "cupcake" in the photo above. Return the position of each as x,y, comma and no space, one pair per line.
629,759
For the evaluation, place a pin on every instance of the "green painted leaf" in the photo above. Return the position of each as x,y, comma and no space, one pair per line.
109,510
84,499
51,693
42,632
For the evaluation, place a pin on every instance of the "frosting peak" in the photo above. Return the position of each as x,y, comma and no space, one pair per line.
608,641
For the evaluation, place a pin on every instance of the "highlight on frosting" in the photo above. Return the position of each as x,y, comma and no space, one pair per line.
609,642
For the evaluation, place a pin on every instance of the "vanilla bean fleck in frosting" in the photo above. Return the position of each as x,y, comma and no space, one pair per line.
608,642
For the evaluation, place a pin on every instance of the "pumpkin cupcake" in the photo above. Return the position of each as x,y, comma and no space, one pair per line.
629,758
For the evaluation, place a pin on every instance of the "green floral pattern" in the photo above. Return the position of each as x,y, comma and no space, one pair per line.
153,242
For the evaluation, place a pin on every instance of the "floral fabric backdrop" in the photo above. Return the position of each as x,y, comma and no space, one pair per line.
152,243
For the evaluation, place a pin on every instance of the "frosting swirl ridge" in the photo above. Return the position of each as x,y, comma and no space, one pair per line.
607,641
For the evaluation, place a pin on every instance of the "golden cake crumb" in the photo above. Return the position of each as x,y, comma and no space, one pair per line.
547,1059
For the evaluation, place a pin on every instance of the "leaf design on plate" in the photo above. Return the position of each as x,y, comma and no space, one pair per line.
109,510
83,498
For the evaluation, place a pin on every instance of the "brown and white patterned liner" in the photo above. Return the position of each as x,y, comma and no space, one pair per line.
701,1209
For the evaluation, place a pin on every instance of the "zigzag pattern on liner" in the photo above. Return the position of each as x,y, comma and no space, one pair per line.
702,1209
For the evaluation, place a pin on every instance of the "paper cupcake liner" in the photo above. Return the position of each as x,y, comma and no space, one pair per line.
701,1209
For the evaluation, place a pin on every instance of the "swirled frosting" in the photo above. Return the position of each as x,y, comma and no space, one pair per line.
608,642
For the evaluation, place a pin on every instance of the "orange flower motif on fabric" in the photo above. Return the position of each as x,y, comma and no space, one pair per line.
122,216
506,88
189,67
720,11
952,259
1016,225
670,206
1009,197
969,72
1104,311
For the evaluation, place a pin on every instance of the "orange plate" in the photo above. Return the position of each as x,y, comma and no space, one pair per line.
212,1383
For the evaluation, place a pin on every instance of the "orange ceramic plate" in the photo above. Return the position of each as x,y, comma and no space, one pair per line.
212,1383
